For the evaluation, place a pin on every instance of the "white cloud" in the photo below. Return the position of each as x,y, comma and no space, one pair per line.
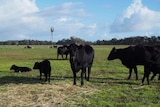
63,19
15,9
67,27
136,18
17,18
68,8
22,19
93,26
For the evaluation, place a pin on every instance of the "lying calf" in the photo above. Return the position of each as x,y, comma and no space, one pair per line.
20,69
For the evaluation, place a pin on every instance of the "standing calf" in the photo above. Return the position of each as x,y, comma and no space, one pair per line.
45,68
154,67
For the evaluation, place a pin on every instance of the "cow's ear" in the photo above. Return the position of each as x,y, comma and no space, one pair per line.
114,49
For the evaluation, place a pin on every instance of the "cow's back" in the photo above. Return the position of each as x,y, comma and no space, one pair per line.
135,55
45,66
141,55
144,54
60,50
86,55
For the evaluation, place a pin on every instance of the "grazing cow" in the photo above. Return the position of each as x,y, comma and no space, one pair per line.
44,67
20,69
133,56
63,50
81,57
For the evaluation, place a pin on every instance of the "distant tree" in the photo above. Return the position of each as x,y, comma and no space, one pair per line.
71,40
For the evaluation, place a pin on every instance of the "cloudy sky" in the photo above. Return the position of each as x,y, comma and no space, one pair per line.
85,19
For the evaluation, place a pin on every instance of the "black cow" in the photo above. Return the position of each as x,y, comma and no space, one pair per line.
135,55
63,50
20,69
126,57
45,68
81,57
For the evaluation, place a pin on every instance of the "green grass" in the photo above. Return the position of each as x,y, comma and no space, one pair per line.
108,86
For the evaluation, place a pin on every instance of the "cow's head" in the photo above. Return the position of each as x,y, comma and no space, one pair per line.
112,54
73,50
36,65
13,67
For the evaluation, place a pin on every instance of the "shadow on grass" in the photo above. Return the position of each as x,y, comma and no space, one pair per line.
122,81
18,80
29,80
113,81
59,59
33,80
61,77
126,82
50,59
100,80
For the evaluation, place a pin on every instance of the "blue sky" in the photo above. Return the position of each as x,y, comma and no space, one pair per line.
85,19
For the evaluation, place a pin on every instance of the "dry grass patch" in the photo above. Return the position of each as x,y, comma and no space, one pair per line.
43,95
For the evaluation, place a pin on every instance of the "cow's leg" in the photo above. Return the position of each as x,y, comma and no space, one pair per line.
159,77
146,75
143,79
85,75
135,70
82,76
67,56
40,75
74,76
62,56
89,71
130,72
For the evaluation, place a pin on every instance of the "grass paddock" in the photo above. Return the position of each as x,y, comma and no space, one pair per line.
108,84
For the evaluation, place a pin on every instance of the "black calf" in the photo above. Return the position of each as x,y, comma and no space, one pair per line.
44,67
20,69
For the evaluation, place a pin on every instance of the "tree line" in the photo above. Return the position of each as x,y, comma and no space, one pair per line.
153,40
25,42
138,40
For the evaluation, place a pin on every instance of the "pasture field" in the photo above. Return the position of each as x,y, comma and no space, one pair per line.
108,86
